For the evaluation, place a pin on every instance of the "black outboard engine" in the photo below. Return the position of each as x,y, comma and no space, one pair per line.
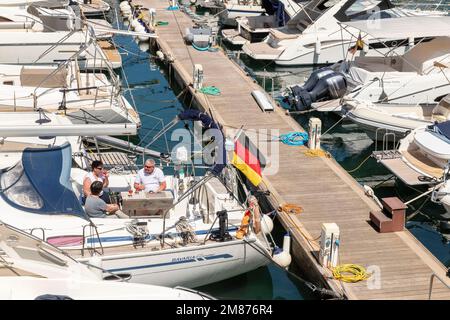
323,84
315,77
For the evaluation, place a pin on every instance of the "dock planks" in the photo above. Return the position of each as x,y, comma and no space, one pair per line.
326,192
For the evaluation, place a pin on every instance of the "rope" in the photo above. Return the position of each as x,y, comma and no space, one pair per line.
350,273
294,138
186,231
317,153
334,125
292,208
360,165
211,90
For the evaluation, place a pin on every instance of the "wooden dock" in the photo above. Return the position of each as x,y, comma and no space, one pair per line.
325,191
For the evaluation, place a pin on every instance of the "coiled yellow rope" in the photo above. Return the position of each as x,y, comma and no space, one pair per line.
317,153
350,273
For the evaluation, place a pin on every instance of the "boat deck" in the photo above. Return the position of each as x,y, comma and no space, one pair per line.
325,191
261,50
233,36
111,52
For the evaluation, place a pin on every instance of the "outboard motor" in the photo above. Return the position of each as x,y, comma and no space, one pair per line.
315,77
324,84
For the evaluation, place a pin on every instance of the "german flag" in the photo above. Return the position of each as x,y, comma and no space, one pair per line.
248,159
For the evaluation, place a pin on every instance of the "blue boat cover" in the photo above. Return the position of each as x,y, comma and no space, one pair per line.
48,173
276,8
443,128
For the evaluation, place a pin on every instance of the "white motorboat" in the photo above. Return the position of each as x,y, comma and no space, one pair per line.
229,10
380,120
420,76
188,237
256,28
31,269
316,36
423,157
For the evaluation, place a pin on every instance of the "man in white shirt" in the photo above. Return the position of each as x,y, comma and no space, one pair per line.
150,179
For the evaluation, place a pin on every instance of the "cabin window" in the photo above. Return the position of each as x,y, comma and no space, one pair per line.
17,188
362,5
8,83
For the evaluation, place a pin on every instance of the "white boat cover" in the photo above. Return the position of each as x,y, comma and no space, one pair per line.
432,144
404,28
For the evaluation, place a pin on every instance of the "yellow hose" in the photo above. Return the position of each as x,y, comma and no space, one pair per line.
350,273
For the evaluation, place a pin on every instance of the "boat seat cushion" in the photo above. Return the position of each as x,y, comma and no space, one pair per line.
421,58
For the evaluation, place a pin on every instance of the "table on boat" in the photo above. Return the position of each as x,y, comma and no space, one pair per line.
146,204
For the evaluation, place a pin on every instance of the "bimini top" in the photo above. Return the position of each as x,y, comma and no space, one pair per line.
40,182
403,28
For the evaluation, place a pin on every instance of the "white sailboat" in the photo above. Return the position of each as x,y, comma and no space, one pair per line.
31,269
192,243
315,35
90,97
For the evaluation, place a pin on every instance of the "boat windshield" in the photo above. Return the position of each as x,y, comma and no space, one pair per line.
40,183
362,9
16,188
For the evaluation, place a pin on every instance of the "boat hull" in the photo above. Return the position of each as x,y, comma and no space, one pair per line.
190,266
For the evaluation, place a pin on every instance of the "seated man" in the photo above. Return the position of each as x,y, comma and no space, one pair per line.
150,179
97,174
97,208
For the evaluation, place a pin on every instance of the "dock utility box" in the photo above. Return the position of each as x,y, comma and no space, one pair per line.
262,100
391,218
147,204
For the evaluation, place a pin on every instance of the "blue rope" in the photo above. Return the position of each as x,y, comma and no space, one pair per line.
294,138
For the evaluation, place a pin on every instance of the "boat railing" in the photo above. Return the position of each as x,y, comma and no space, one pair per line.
93,232
388,138
434,275
40,229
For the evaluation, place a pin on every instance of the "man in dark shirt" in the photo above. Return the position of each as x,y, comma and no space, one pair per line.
97,208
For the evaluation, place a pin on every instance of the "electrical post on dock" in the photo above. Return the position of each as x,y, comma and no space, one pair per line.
315,130
329,245
198,76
